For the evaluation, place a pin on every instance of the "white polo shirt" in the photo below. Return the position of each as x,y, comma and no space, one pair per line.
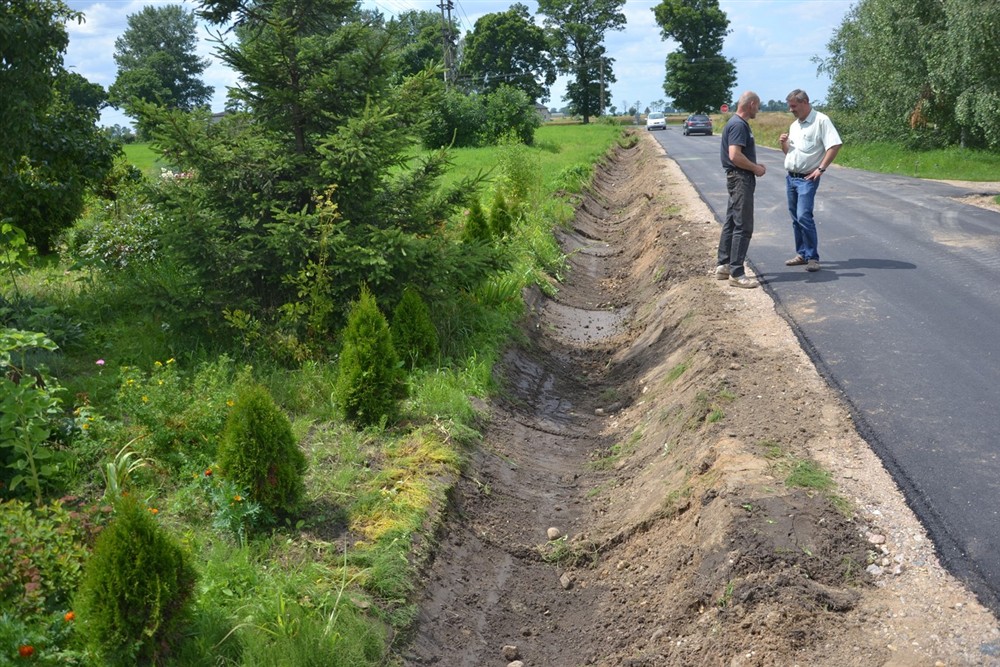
808,141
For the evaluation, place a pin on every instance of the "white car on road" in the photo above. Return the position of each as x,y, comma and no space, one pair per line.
656,121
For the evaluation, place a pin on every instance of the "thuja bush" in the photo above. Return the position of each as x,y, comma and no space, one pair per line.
501,218
136,590
477,227
259,453
369,379
413,332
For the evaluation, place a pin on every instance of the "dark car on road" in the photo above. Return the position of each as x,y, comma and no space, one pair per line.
697,123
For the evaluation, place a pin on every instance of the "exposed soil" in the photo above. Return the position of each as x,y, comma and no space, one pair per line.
652,416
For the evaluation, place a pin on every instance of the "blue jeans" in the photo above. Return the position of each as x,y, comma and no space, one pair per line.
738,227
801,195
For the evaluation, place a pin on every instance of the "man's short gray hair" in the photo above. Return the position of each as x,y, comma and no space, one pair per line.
746,98
798,95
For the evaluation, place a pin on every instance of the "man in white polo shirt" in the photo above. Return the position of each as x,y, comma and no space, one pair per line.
810,146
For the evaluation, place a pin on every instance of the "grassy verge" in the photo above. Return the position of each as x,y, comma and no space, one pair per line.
145,158
146,408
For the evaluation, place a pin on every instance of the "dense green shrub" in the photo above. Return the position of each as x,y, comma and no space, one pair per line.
258,452
456,120
42,552
510,112
136,589
413,332
477,227
369,378
501,218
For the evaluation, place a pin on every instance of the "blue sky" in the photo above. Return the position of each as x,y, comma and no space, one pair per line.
772,41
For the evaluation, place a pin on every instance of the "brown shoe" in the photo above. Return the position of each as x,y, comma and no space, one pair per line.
798,260
743,281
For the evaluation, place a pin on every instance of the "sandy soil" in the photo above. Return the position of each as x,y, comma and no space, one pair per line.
632,501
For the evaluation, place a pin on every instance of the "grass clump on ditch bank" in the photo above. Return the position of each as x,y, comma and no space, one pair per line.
322,572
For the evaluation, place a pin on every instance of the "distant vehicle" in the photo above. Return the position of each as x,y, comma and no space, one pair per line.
656,121
697,123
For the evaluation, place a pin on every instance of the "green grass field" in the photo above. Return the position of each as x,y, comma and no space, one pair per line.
145,158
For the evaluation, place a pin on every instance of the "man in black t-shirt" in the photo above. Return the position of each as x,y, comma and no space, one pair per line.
739,160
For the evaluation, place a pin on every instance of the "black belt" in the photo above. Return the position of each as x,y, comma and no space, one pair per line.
795,174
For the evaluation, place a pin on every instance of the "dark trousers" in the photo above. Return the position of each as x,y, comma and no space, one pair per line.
738,227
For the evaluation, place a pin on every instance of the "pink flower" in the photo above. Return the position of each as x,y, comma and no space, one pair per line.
99,362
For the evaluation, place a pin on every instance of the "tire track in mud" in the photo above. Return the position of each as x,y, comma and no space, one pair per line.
490,585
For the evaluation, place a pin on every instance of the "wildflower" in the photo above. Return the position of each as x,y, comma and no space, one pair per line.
130,382
145,399
153,510
69,617
100,362
230,404
158,364
84,426
208,473
238,498
26,651
170,360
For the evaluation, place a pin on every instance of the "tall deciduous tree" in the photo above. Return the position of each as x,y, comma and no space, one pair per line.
577,29
419,37
880,64
51,150
508,48
698,77
157,61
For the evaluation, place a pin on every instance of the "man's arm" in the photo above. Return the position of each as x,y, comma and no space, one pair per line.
740,160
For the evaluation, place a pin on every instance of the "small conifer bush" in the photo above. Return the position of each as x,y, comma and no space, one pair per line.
258,452
369,379
477,227
413,332
501,218
136,590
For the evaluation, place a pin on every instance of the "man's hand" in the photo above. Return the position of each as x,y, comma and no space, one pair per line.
759,169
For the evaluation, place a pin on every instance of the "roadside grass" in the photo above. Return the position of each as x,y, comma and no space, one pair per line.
803,473
332,585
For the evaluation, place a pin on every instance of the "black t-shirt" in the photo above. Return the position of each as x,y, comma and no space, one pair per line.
737,133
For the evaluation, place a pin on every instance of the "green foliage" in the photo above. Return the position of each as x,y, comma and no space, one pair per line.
42,552
501,216
508,48
477,227
577,29
175,418
136,589
157,61
234,511
29,411
510,112
42,188
369,380
455,120
259,453
698,76
413,332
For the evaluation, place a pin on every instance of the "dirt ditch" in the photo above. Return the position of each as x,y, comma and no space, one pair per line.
635,499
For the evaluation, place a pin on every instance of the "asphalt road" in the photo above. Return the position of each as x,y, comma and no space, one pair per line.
904,319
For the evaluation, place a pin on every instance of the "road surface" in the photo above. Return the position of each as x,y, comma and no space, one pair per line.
904,319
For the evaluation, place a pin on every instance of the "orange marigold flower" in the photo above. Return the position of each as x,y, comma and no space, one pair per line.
26,651
208,473
69,617
153,510
238,498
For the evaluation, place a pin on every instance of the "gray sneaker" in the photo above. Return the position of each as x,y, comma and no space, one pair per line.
743,281
812,265
721,272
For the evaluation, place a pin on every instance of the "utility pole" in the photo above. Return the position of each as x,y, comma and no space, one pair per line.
600,110
449,59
